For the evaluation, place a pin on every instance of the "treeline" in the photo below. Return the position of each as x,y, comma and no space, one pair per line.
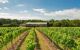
64,23
15,22
51,23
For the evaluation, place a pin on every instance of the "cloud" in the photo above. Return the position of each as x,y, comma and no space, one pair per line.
0,8
20,5
24,11
39,10
73,13
4,1
19,16
5,8
5,15
65,14
10,16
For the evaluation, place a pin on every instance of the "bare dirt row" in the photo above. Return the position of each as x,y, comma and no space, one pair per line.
16,43
45,43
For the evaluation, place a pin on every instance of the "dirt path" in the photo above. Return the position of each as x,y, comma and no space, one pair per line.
45,43
37,46
16,42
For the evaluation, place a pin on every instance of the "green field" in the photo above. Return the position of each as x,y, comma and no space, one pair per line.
67,38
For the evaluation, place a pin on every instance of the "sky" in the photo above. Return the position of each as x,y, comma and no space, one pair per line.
40,9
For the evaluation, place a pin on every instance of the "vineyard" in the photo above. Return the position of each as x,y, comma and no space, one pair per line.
39,38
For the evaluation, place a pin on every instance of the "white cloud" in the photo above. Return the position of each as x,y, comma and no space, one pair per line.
24,11
62,14
65,14
0,8
10,16
20,5
4,1
5,8
45,15
39,10
20,16
5,15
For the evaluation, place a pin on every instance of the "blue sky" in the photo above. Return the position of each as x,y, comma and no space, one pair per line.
40,9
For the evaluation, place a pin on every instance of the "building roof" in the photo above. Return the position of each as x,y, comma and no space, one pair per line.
36,23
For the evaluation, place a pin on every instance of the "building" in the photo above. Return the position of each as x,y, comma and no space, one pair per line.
35,24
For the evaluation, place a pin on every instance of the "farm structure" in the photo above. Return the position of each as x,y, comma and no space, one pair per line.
35,24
